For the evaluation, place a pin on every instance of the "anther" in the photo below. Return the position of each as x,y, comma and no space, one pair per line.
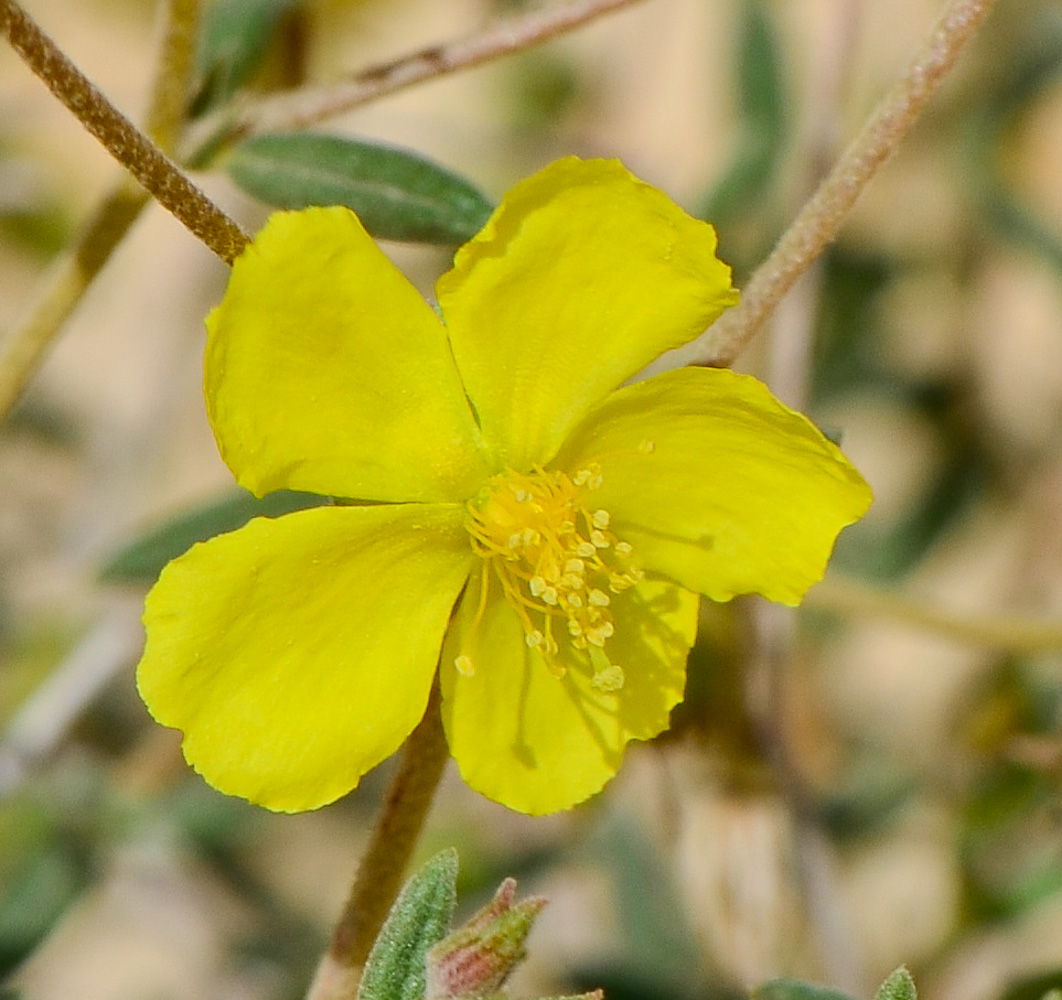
464,665
599,598
537,586
599,540
601,518
623,549
609,679
585,550
534,638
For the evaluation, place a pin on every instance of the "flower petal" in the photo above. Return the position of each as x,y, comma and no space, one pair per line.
326,371
717,484
538,743
298,653
579,279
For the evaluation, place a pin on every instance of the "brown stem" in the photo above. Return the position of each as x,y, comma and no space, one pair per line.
380,873
300,108
122,139
821,217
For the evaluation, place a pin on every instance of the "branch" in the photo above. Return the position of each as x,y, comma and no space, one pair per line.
299,108
848,596
120,136
818,222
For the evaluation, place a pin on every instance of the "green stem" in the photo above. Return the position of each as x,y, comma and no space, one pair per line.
379,875
127,144
821,218
168,110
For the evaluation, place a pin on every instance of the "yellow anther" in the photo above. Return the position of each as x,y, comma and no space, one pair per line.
551,554
609,679
464,665
647,447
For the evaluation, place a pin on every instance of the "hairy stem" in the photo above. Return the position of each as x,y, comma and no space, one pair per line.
380,873
818,222
309,105
127,144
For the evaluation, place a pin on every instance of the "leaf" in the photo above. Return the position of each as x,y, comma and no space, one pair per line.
397,194
795,989
397,965
899,986
142,560
233,40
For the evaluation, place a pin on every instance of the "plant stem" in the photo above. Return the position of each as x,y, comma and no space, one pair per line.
122,139
848,596
379,875
24,348
818,222
167,112
306,106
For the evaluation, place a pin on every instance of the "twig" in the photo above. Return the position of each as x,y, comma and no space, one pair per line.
308,105
848,596
818,222
23,349
379,875
122,139
168,110
44,719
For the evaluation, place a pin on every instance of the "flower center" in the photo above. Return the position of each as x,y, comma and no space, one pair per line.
557,562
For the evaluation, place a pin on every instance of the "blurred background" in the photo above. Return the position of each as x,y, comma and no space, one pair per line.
874,779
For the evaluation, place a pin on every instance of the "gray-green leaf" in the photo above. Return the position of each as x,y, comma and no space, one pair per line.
397,194
397,965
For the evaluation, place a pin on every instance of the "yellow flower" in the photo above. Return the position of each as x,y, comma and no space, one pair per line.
533,532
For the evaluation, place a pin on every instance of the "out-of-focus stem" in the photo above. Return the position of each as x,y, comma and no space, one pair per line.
122,139
821,217
379,876
24,347
167,111
848,596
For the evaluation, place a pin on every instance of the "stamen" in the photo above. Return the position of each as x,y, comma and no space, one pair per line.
556,559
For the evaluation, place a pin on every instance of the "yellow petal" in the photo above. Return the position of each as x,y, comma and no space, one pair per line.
326,371
580,278
539,743
717,484
298,653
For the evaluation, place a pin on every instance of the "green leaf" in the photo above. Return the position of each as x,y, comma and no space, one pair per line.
397,194
142,560
233,40
899,986
795,989
397,965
